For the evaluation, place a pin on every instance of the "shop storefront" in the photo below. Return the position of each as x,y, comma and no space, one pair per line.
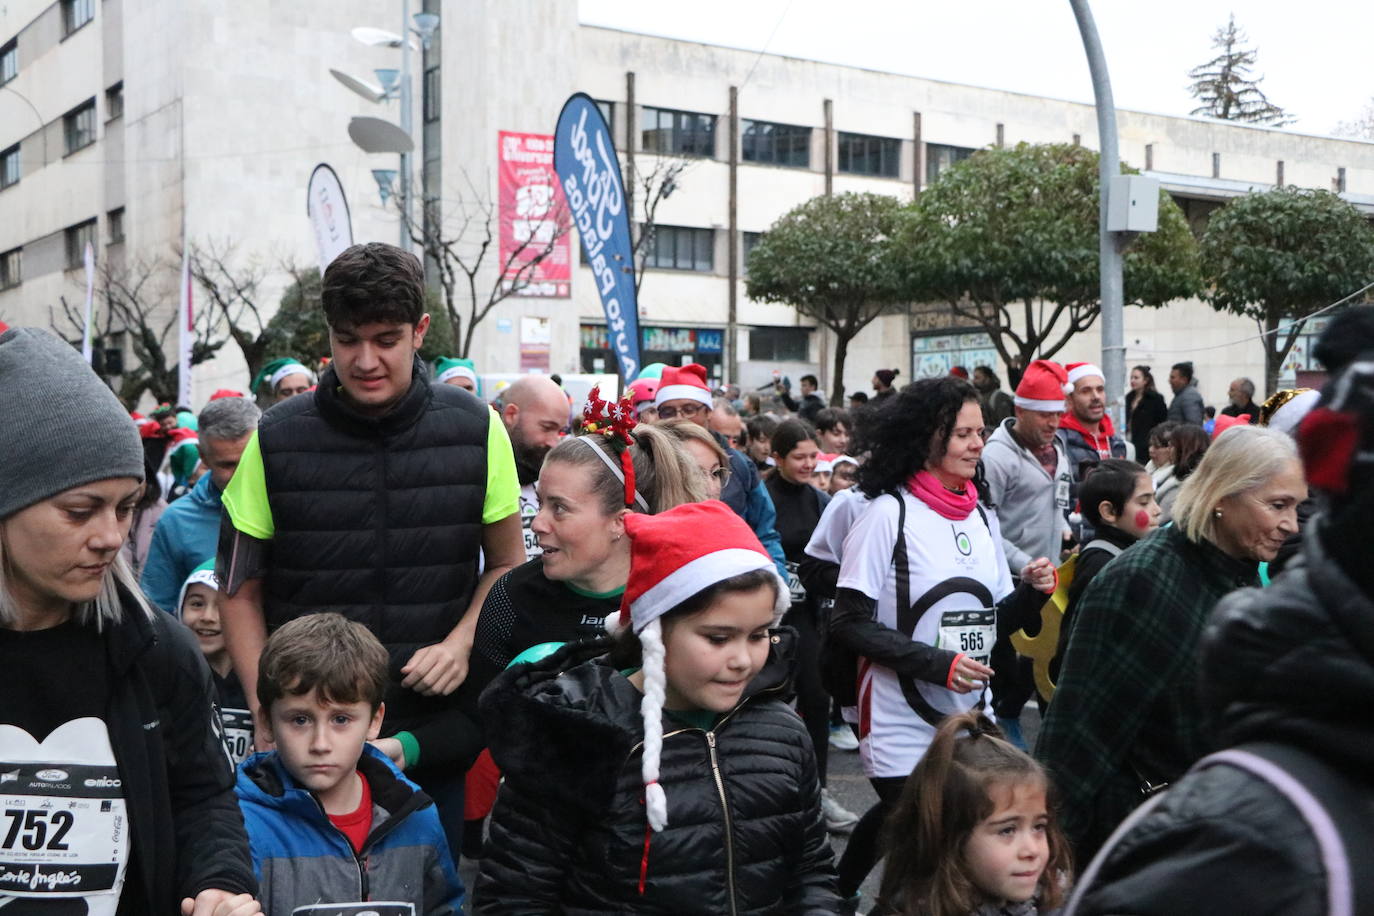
674,346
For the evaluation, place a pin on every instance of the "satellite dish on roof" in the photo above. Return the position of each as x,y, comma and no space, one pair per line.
375,135
362,87
379,37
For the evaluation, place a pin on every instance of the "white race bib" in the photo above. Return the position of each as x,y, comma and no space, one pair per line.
238,733
1062,487
970,632
64,828
794,583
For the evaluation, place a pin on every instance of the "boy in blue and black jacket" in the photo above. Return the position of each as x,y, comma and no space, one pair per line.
330,819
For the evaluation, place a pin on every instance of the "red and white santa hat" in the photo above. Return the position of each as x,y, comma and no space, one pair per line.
678,382
1078,371
674,556
1043,387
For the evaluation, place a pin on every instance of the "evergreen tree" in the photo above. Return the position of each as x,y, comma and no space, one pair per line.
1225,86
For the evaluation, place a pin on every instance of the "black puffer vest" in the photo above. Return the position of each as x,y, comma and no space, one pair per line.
377,518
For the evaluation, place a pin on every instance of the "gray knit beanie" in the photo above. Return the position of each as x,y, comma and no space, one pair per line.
60,426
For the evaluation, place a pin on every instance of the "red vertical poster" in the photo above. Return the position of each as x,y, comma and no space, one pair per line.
532,215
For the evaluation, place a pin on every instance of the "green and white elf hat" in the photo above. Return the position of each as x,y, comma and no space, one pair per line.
183,459
278,369
204,574
447,367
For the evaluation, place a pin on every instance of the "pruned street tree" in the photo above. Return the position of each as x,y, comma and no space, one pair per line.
140,299
651,188
833,260
233,287
1008,240
1226,86
1280,255
460,237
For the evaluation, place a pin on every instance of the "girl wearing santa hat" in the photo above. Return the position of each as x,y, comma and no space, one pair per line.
669,776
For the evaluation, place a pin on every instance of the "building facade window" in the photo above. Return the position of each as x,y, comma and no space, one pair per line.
776,144
684,133
747,242
114,221
11,263
939,158
77,237
608,112
861,154
114,101
9,60
9,166
780,345
432,107
78,126
75,14
681,248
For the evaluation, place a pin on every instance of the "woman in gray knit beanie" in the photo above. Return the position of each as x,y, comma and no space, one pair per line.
106,727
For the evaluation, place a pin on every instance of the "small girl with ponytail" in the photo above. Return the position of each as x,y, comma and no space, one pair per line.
973,832
662,771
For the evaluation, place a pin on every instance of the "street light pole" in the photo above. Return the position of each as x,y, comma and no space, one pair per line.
1109,256
405,124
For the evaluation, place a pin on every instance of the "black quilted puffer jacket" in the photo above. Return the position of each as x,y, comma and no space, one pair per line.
569,832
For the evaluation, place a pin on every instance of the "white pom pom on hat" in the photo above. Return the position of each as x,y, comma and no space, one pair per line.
673,556
1043,387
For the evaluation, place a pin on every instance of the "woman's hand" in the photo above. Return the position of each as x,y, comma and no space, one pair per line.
220,903
968,674
392,748
1041,575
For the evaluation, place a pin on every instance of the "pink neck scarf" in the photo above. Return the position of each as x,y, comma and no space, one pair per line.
954,506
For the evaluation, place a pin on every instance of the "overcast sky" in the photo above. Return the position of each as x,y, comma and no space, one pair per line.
1312,54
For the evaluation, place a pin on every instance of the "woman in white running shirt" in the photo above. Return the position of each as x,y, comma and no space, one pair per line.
924,588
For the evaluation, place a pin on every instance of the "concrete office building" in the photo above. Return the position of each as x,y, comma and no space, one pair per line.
158,111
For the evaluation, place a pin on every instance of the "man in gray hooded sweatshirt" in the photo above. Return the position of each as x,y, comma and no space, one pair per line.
1029,481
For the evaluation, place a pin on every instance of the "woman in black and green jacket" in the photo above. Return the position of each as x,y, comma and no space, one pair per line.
1126,717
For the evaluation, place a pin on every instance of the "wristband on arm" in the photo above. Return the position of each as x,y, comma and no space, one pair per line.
949,678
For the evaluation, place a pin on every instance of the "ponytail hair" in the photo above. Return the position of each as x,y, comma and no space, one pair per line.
790,434
665,474
944,800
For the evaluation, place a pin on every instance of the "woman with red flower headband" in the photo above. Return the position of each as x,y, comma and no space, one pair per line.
587,485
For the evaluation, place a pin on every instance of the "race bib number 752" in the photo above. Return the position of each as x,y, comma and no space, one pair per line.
63,830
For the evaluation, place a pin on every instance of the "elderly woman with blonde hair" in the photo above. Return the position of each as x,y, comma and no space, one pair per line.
1125,720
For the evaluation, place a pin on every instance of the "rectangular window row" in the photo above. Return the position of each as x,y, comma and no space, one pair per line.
77,237
682,248
9,166
10,268
862,154
78,126
75,14
776,144
682,133
9,60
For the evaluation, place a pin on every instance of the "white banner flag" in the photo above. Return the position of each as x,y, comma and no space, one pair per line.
327,208
88,258
187,325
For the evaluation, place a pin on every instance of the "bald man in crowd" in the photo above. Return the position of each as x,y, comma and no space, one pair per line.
535,412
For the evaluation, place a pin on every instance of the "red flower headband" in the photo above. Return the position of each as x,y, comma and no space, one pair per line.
613,421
